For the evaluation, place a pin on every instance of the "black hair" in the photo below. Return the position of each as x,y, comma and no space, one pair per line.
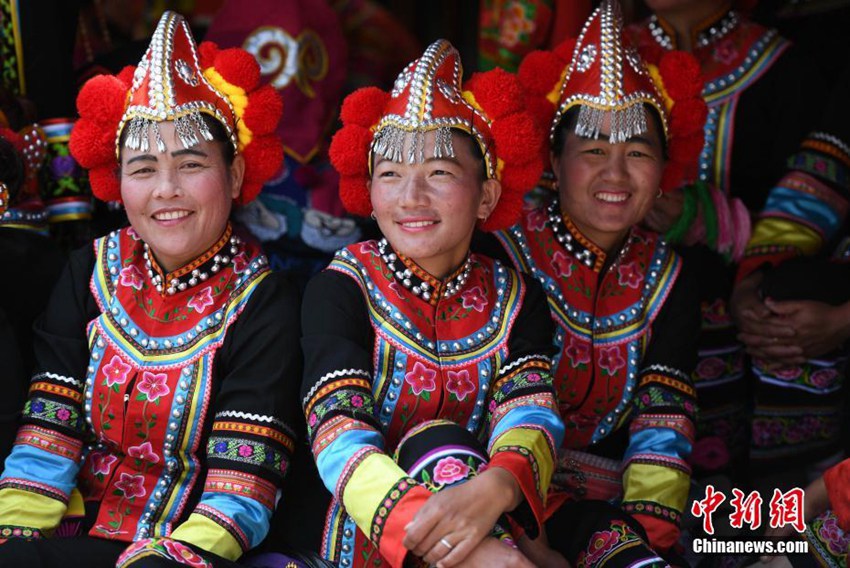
570,119
216,128
11,168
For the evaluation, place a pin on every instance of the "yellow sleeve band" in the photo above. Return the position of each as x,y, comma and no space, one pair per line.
207,534
25,509
663,485
369,484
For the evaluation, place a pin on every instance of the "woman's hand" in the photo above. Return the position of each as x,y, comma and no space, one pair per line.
765,334
453,522
491,553
818,327
540,554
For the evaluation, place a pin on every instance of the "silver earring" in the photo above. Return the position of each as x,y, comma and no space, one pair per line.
372,215
659,194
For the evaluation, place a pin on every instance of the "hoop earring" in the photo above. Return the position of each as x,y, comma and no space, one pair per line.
373,216
659,194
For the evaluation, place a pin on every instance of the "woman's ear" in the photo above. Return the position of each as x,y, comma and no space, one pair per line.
555,160
237,174
491,190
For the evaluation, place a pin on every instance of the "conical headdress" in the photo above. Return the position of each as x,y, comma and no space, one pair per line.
607,75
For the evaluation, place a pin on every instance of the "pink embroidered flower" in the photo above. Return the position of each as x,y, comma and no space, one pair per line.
116,371
474,298
710,453
561,264
534,378
63,414
153,385
313,419
629,275
459,384
449,470
131,277
536,220
246,451
835,539
710,368
131,232
144,452
240,262
421,378
766,432
492,406
600,544
578,351
356,401
725,52
610,359
397,288
101,463
370,247
183,554
787,373
202,300
823,378
131,485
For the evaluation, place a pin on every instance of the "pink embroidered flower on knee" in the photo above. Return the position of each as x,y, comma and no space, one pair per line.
153,385
421,378
182,553
144,452
131,485
450,470
460,384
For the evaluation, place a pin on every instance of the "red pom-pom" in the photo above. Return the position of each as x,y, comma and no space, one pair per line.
364,107
349,150
263,157
688,117
264,110
681,74
126,76
517,138
354,194
92,145
540,72
207,52
101,100
104,183
673,176
686,148
238,67
652,52
496,91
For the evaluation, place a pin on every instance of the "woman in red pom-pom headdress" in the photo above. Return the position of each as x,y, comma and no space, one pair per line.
624,308
427,391
166,355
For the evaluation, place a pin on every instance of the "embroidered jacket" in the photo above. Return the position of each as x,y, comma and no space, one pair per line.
164,411
381,357
625,335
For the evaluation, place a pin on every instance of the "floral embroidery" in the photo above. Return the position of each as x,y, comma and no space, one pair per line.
131,277
578,351
823,378
601,543
710,368
116,371
459,384
610,359
131,485
143,452
536,219
182,553
240,262
629,275
516,24
787,373
101,463
202,300
474,299
370,247
561,264
450,470
710,453
153,385
396,287
831,534
421,378
725,52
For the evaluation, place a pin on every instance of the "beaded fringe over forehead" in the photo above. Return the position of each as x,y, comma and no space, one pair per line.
169,85
607,77
433,78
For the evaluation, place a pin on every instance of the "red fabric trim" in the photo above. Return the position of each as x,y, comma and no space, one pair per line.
750,264
394,529
835,479
521,469
662,534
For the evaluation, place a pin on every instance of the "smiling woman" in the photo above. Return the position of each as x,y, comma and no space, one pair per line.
426,386
157,426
